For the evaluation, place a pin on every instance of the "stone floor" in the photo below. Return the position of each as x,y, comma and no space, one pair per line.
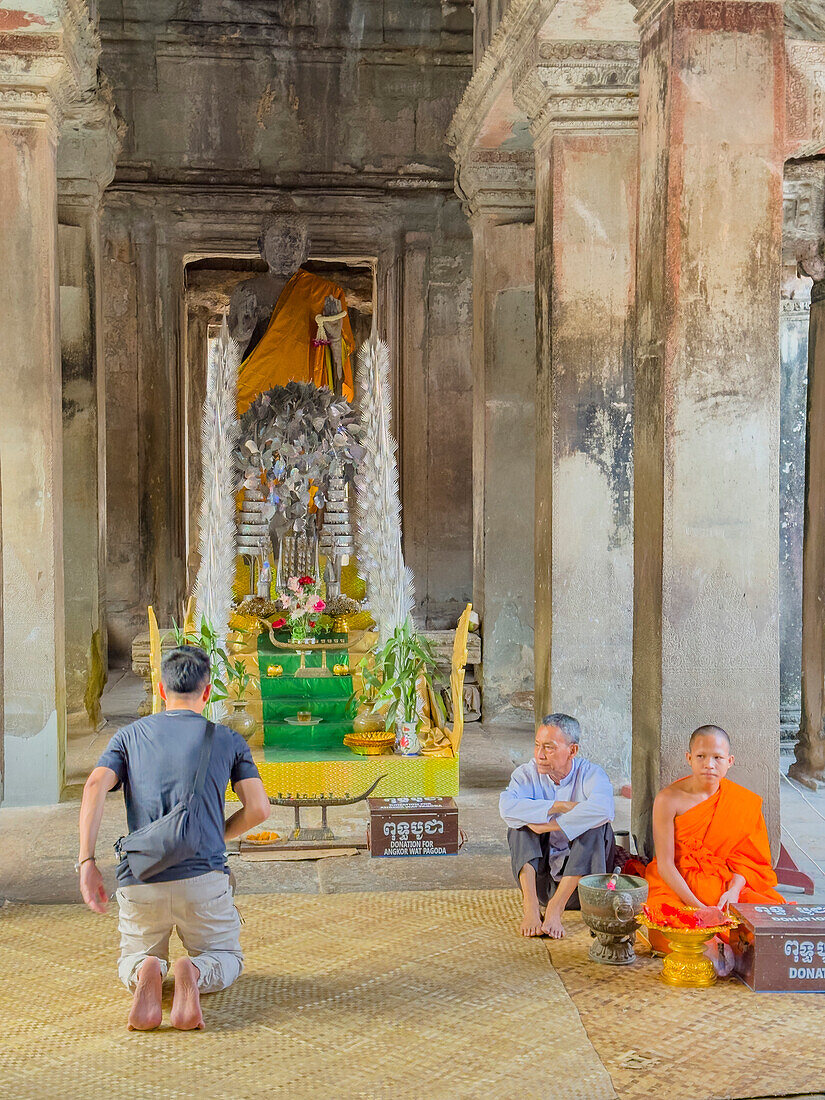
38,846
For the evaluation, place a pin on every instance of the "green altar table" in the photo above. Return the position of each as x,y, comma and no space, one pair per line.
327,697
314,761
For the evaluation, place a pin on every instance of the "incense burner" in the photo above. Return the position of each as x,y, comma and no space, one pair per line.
610,913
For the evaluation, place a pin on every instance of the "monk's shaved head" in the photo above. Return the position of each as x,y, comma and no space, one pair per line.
707,731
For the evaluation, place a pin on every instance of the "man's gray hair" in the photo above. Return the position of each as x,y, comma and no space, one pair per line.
569,726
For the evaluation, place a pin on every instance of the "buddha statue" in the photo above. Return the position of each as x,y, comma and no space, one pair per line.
292,324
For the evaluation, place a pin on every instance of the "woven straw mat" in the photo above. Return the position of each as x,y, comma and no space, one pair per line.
691,1044
404,995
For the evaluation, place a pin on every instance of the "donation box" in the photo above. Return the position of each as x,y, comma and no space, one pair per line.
780,947
413,827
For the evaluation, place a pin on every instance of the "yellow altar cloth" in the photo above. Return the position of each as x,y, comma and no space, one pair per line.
286,352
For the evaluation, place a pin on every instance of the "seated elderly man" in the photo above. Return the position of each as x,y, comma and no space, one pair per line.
559,809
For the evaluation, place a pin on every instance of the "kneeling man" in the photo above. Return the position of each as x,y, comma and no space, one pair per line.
158,761
558,808
709,834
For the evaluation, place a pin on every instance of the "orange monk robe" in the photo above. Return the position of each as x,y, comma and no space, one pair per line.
721,837
285,352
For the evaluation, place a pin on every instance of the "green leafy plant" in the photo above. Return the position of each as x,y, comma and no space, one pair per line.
207,639
239,678
391,672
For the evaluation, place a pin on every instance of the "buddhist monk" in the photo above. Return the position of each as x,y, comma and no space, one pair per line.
709,834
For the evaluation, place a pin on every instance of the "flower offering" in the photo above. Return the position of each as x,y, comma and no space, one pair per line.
301,603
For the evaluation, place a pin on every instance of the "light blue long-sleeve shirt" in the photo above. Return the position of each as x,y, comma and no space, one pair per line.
530,795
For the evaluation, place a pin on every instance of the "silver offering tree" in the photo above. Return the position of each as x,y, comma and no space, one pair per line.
336,531
252,539
292,439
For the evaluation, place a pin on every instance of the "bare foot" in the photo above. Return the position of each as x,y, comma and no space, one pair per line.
551,925
722,957
186,1004
531,925
146,1013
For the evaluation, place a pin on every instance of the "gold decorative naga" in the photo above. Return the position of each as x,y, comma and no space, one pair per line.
154,661
436,741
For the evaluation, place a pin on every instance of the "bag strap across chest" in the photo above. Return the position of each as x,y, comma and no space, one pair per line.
203,762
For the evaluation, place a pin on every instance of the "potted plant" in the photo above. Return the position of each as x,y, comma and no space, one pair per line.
239,680
368,720
392,682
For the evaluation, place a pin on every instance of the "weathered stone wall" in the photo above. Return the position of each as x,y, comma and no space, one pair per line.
340,110
318,91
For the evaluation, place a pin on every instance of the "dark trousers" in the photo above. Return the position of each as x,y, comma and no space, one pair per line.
592,853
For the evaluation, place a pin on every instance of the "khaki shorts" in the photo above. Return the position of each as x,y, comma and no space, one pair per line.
201,910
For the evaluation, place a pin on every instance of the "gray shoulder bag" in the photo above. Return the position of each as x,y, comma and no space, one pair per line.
174,837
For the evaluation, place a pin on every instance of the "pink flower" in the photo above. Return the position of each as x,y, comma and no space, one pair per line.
294,585
319,605
284,601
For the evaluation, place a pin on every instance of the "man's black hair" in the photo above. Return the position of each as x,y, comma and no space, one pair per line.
185,670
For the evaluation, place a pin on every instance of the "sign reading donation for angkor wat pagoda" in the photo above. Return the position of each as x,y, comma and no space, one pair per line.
413,827
780,947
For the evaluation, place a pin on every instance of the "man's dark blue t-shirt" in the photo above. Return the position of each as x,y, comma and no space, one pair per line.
155,760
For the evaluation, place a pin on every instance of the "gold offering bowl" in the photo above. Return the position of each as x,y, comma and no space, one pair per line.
370,742
687,966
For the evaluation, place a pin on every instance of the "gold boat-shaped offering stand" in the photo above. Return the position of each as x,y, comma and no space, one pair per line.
687,966
302,648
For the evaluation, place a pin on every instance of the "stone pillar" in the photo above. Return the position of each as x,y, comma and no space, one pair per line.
794,320
87,151
809,765
585,154
198,318
34,698
500,197
706,640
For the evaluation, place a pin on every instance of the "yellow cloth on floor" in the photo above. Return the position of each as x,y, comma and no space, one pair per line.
286,352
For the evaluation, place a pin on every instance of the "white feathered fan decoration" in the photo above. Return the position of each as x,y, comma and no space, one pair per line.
390,589
219,433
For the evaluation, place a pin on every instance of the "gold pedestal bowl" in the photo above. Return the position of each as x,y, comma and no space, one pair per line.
687,966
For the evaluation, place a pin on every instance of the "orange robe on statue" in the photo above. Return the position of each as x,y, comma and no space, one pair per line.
721,837
285,352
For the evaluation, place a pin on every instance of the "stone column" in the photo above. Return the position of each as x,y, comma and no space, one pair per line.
794,321
34,699
582,100
706,641
87,151
499,191
809,765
